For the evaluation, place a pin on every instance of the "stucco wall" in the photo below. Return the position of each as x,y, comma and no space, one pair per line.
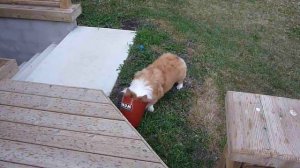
20,39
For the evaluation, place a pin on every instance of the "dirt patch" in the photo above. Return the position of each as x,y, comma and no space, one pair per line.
132,24
116,93
205,113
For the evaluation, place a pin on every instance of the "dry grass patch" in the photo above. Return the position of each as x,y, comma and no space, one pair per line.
165,25
205,114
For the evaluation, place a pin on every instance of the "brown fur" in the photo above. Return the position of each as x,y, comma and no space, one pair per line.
162,74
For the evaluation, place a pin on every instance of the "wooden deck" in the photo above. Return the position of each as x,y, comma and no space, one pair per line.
55,126
263,130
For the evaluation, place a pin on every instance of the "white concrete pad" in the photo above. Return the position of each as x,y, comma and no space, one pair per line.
87,57
20,74
29,67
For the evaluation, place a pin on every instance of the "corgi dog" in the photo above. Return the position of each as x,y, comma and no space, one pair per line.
151,83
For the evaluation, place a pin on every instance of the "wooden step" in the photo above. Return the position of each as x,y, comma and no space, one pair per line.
55,91
49,3
14,165
44,156
92,125
60,105
113,146
40,12
8,68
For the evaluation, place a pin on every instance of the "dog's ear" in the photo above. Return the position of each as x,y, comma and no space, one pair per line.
145,98
124,90
128,92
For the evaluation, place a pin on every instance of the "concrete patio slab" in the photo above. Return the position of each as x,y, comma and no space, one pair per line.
87,57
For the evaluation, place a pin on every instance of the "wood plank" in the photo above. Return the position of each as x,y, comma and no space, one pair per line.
60,105
226,162
68,122
274,137
43,156
76,11
232,164
52,0
40,12
283,125
65,4
58,91
32,2
8,68
138,134
2,62
112,146
246,128
13,165
221,163
246,165
47,0
36,0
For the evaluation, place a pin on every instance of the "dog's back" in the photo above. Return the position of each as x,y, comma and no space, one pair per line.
163,73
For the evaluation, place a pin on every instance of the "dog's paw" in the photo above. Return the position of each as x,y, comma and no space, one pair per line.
179,86
151,108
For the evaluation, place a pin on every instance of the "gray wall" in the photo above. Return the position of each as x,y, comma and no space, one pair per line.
20,39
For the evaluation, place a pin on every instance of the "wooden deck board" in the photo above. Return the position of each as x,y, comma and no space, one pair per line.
263,130
13,165
68,122
72,93
59,105
285,134
85,142
50,157
56,126
245,121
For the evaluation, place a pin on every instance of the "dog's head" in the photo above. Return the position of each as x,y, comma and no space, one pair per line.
129,93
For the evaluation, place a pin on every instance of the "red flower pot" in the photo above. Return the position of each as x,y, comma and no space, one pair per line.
133,110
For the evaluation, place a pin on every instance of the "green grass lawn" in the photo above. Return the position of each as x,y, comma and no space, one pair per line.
249,46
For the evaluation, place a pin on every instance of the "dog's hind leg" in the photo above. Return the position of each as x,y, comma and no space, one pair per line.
150,108
179,85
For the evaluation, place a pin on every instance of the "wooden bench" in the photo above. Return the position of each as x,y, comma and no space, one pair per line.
53,10
263,131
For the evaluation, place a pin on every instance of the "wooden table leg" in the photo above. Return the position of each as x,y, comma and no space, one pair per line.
225,162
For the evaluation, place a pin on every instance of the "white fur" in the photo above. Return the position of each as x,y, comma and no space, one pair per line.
182,60
179,86
141,88
151,108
